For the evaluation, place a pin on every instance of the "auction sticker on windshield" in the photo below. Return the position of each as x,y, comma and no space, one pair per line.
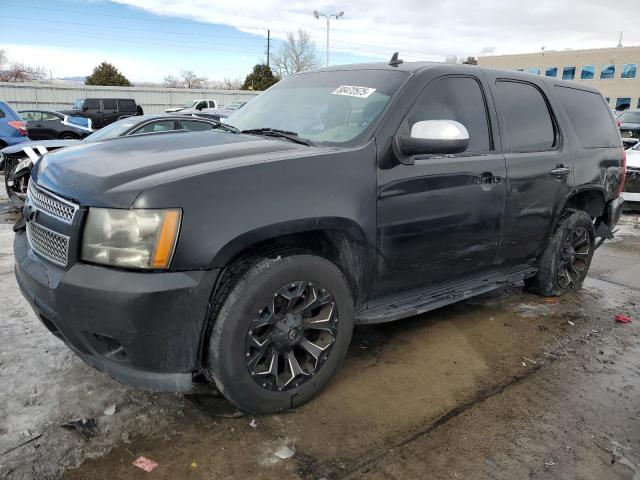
353,91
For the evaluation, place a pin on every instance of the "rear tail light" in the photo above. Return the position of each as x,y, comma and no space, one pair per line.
20,126
618,122
624,171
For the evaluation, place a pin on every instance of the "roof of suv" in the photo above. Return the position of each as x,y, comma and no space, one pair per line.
413,67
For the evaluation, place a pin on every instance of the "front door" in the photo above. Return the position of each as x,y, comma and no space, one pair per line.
109,111
439,221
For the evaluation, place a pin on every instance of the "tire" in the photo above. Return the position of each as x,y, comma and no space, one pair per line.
68,136
9,168
565,262
255,299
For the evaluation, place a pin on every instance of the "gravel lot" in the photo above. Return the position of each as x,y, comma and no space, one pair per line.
506,385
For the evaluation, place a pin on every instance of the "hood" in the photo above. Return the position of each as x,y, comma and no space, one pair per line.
48,144
175,109
114,172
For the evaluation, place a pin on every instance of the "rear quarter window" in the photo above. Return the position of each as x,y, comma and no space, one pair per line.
589,116
127,105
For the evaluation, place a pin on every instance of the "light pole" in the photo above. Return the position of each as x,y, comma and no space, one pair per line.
318,14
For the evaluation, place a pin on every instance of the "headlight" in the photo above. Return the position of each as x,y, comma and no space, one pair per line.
131,238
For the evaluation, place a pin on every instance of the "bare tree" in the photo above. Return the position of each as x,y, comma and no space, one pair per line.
296,54
11,71
187,79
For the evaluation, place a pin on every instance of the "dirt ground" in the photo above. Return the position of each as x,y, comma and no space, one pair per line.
505,385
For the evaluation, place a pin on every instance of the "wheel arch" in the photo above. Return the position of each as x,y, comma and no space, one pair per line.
339,240
590,199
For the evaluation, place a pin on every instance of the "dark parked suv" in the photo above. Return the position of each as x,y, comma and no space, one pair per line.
103,111
357,194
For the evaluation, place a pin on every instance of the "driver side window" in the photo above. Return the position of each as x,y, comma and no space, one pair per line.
456,98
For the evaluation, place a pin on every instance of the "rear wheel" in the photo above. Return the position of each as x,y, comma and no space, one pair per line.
68,136
281,333
565,261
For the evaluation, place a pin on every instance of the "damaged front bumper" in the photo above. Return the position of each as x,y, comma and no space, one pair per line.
143,329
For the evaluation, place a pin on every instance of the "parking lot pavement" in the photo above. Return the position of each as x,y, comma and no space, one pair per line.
505,385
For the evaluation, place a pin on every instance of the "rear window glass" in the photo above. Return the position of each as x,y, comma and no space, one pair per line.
527,120
127,105
589,116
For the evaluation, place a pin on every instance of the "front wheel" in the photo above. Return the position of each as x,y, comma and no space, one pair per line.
565,261
281,333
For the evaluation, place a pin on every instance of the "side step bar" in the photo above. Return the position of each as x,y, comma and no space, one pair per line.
397,308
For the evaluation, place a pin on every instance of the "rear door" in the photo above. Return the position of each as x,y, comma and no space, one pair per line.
110,110
539,173
439,221
93,109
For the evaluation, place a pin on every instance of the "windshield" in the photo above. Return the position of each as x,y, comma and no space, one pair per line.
190,104
330,107
114,130
630,117
78,105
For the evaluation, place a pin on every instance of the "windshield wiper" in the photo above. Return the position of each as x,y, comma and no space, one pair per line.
274,132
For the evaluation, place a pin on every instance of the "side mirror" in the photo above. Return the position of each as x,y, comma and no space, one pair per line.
431,137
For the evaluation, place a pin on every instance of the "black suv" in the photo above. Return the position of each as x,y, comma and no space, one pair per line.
349,195
103,111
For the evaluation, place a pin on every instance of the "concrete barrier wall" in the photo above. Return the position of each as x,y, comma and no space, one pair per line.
23,96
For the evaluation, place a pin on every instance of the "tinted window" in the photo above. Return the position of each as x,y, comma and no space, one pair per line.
127,105
2,115
163,126
212,104
527,121
534,70
49,116
608,71
629,70
623,103
109,104
588,72
92,104
589,117
202,105
459,99
568,73
630,117
551,72
195,126
31,116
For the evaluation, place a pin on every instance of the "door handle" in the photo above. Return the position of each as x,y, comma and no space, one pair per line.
560,171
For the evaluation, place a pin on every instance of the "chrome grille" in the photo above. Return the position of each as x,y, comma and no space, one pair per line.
51,204
49,244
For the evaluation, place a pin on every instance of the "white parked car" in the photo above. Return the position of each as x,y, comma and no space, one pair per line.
199,104
631,191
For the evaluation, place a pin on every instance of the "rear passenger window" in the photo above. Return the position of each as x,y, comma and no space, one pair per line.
126,105
456,98
163,126
526,116
109,104
589,117
195,126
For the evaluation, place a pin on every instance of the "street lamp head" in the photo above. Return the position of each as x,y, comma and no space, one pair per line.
316,14
339,15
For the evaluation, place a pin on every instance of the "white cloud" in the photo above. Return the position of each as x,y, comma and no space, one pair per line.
424,29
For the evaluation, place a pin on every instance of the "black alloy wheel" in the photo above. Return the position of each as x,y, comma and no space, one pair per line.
574,257
291,336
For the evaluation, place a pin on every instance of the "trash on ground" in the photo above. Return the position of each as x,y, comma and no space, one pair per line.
551,301
529,360
570,323
194,464
145,464
622,319
110,410
488,461
284,453
253,423
87,427
549,464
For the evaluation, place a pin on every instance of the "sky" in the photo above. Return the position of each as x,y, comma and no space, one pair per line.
149,39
